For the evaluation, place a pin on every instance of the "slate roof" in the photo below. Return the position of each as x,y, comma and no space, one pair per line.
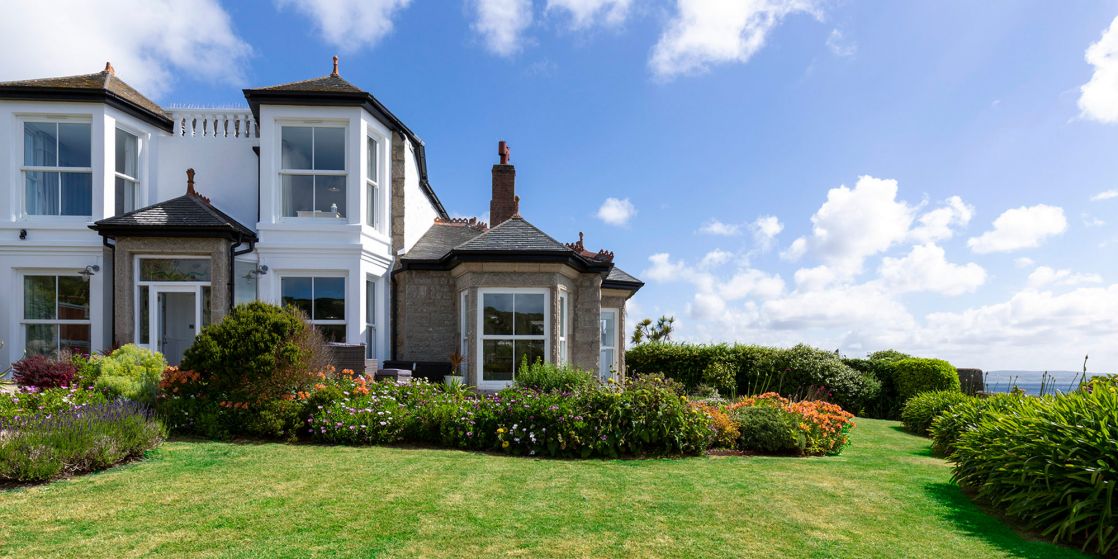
103,86
439,240
326,84
621,278
517,235
189,214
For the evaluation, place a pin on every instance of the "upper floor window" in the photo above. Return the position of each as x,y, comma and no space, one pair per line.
313,171
372,184
127,172
57,168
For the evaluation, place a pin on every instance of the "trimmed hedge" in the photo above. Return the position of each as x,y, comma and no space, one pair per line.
920,410
916,375
797,372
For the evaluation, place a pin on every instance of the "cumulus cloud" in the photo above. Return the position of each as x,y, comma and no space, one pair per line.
1098,99
840,45
706,32
926,268
616,211
1044,276
716,227
148,41
349,25
587,13
715,258
502,23
713,293
939,224
1105,195
1023,262
1021,228
765,229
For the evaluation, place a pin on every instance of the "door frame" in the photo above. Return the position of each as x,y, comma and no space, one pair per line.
155,312
156,287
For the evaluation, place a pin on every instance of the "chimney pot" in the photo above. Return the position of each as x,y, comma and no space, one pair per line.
190,182
109,69
504,203
335,72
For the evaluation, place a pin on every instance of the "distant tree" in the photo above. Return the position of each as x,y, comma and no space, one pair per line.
661,331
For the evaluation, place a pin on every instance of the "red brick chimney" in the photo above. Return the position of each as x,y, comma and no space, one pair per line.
504,203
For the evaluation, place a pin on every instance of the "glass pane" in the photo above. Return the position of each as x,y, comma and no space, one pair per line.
329,149
372,193
38,297
244,287
125,196
609,329
298,196
40,193
529,314
296,292
206,311
497,314
74,337
371,160
40,144
77,194
329,298
145,337
332,332
370,342
329,195
295,147
127,153
175,269
73,144
530,349
73,298
42,339
497,360
605,365
370,302
563,317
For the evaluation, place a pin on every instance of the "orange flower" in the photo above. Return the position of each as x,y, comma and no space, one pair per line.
320,386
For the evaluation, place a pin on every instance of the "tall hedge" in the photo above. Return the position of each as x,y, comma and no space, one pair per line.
880,364
916,375
799,371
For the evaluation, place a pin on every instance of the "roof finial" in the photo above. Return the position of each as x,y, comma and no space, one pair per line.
504,151
580,238
109,69
516,206
335,72
190,182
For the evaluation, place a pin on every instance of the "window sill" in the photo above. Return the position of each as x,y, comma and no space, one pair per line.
55,221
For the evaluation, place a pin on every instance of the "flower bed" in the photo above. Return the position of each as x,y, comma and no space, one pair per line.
771,424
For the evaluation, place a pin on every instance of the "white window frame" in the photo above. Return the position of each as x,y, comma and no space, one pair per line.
604,375
370,317
25,322
24,168
311,172
372,183
564,326
155,287
118,174
326,275
463,331
482,336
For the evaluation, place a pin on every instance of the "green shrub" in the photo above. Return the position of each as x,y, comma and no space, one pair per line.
887,404
548,377
720,376
88,369
1051,463
131,372
50,445
766,429
920,410
948,426
915,375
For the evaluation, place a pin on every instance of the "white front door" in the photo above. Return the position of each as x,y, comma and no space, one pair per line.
176,322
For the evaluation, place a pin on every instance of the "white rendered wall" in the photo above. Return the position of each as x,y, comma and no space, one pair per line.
419,212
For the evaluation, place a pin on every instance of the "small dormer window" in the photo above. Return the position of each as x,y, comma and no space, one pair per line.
313,171
127,171
57,168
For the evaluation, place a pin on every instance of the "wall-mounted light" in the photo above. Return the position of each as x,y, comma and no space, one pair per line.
89,271
23,234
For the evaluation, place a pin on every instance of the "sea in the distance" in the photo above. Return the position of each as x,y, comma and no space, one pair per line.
1031,381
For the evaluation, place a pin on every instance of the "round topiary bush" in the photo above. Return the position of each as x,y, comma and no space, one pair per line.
765,429
131,372
922,409
916,374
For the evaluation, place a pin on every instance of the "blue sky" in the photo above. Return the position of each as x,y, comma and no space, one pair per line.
930,176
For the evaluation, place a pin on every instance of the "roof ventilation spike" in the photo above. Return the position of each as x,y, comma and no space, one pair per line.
335,72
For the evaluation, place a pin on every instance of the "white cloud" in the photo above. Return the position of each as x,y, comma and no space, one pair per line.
586,13
148,41
663,269
616,211
1091,221
1105,195
502,23
939,224
765,229
712,293
1098,98
1044,276
1020,228
839,45
926,268
705,32
715,258
1024,262
716,227
349,24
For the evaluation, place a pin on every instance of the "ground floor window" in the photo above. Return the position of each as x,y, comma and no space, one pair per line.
370,319
56,314
514,326
607,364
564,327
245,279
463,332
322,299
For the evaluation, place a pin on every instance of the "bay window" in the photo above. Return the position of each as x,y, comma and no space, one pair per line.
313,171
56,314
57,168
607,362
372,185
127,171
322,299
513,326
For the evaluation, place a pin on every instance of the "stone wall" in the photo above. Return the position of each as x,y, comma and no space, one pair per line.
426,319
124,285
396,204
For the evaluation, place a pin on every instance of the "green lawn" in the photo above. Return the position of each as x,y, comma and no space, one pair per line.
884,497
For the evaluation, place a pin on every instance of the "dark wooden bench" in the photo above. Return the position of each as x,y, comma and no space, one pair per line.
432,371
